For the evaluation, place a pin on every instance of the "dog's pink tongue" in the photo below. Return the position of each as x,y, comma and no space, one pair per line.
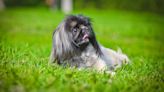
85,36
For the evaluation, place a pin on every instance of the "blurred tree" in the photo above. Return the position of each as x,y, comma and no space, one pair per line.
12,3
2,5
67,6
53,4
92,3
137,5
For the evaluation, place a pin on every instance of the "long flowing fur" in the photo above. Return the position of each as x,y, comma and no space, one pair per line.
62,47
91,55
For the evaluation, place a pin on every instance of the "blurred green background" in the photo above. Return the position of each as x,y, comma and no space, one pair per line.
26,27
137,5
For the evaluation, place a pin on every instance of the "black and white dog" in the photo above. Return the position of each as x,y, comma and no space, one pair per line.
75,44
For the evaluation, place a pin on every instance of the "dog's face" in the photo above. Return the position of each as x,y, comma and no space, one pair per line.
79,28
72,37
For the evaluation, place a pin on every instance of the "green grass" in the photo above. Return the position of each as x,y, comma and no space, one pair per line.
25,44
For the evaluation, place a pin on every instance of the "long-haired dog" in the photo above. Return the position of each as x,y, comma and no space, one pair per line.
75,45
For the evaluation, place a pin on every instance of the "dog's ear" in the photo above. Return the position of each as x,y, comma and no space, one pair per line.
62,47
93,37
95,43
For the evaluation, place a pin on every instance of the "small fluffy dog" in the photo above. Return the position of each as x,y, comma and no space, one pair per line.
75,45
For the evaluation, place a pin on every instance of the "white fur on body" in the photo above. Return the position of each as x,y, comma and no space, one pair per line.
109,60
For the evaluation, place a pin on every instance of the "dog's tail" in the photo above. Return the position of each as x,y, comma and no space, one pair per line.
119,50
123,56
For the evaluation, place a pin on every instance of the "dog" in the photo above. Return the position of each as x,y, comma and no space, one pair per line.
75,45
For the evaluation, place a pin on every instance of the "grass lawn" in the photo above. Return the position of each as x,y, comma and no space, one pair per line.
25,44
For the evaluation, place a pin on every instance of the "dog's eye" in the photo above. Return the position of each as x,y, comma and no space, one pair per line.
74,30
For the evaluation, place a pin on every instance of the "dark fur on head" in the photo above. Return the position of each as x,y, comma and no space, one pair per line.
72,37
